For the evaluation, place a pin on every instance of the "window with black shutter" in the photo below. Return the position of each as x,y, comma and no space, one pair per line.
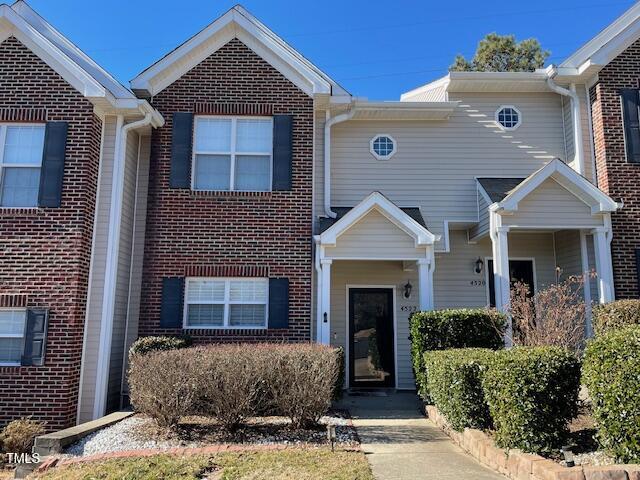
630,101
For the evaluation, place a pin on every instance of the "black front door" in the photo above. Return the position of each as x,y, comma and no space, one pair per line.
519,271
371,353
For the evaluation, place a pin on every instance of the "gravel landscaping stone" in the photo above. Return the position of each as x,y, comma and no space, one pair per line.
139,432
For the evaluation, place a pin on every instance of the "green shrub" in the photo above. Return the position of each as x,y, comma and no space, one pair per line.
611,372
153,344
615,315
454,383
532,393
457,328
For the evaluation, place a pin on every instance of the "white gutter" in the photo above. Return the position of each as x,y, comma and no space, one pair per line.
111,269
578,146
343,117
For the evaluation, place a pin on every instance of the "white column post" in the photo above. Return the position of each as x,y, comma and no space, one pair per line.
425,283
325,307
586,278
603,265
502,280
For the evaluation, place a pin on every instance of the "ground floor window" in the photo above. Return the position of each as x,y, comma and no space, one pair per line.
12,328
519,271
226,302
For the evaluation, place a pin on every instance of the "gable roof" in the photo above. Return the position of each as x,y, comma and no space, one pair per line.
238,23
567,178
326,222
496,188
377,201
78,69
605,46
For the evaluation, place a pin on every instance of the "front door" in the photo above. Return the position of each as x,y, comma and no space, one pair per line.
519,271
371,352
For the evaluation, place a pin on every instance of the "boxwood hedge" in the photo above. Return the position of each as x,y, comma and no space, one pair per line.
532,393
160,343
454,383
611,373
620,313
455,328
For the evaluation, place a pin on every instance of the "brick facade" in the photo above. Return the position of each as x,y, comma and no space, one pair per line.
617,177
46,251
269,232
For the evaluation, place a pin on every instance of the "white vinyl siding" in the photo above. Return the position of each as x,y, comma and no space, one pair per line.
226,303
375,236
427,172
21,147
232,153
12,331
568,256
551,205
482,228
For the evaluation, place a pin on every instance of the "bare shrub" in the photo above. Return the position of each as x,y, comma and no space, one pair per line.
18,435
301,382
165,384
554,316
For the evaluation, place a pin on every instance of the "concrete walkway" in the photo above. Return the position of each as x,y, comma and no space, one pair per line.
401,444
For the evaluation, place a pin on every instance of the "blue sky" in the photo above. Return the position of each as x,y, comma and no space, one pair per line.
376,49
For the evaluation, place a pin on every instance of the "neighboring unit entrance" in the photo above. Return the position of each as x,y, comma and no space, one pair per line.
519,271
371,338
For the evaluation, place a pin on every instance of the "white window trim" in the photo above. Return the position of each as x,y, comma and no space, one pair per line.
383,157
226,302
3,138
233,153
15,335
508,129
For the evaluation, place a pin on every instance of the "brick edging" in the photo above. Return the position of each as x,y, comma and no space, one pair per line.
518,465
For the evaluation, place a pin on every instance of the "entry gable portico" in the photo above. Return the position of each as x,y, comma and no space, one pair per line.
375,229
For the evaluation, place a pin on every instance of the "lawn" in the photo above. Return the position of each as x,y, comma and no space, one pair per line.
294,464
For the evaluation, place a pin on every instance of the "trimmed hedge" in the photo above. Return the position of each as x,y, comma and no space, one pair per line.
611,372
532,393
153,344
613,315
455,328
454,383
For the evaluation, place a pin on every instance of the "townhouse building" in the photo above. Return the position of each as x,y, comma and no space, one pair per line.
237,193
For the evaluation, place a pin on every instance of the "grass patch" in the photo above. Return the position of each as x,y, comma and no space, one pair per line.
294,464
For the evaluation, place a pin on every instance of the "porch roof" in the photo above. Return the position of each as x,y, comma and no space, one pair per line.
498,188
326,222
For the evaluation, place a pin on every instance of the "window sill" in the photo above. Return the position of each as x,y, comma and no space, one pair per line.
248,331
11,365
21,211
229,193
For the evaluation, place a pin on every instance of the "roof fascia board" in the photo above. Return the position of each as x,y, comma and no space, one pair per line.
394,214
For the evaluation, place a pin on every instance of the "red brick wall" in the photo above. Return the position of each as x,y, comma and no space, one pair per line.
46,251
269,230
617,177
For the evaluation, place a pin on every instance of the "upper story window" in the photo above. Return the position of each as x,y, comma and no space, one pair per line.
21,148
12,331
226,302
232,153
383,147
508,117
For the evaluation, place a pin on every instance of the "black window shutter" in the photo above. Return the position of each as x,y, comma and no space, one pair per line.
282,151
278,303
181,140
631,124
172,302
52,172
35,341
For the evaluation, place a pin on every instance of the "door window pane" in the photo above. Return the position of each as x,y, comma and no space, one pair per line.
253,173
213,172
20,187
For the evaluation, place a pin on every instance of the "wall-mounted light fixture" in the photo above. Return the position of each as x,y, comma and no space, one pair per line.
479,266
407,289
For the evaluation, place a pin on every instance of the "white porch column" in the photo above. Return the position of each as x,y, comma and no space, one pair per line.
502,281
425,283
586,278
325,305
603,265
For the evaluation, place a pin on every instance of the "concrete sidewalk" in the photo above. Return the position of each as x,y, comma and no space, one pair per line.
401,444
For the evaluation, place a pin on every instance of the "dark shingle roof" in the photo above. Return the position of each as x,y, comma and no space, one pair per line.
325,222
498,188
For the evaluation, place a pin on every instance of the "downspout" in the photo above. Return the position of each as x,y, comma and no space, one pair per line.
343,117
578,146
111,270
